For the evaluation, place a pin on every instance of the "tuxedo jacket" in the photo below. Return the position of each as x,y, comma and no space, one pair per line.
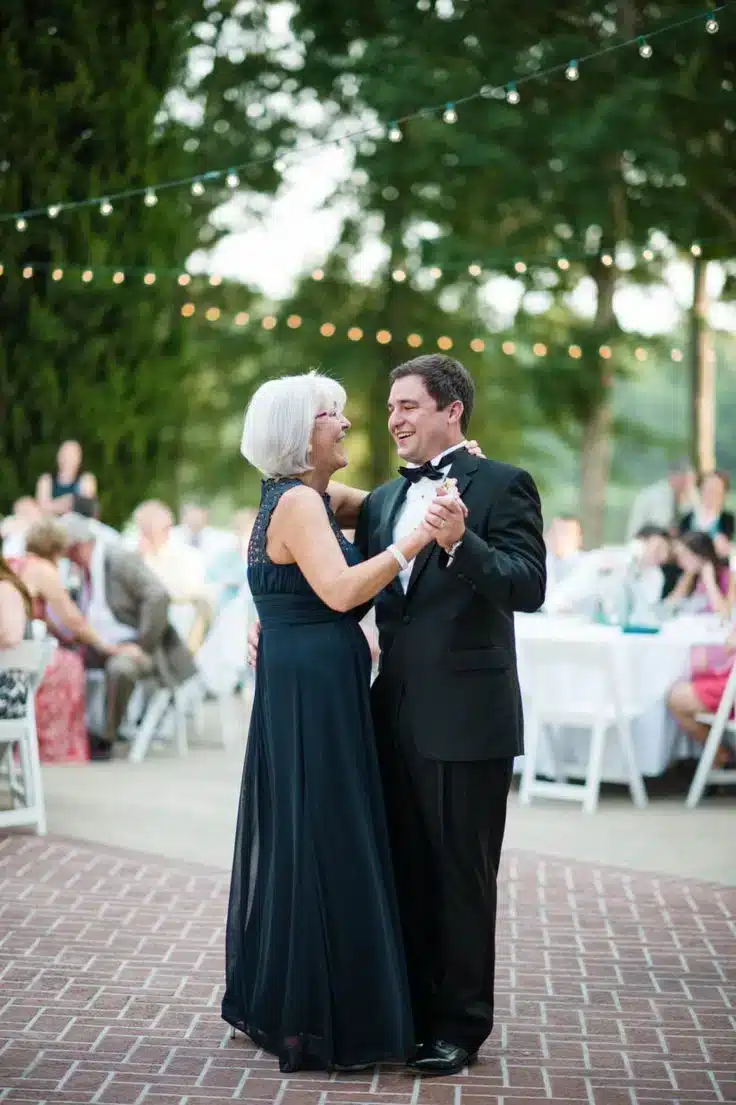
448,653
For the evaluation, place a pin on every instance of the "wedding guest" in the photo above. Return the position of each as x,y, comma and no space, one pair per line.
701,694
15,613
180,568
665,502
705,586
229,569
61,696
15,527
56,494
196,532
564,541
127,607
709,515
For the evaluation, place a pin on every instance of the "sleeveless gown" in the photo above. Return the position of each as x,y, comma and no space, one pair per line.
315,970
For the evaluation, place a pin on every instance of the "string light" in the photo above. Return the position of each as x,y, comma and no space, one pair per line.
54,210
355,333
414,340
383,337
242,318
399,276
696,250
198,188
2,269
118,277
449,115
20,224
394,133
188,310
184,279
294,322
606,259
648,255
215,280
444,343
575,352
509,348
269,322
605,352
572,72
436,272
640,354
520,266
28,272
57,274
232,180
149,278
327,329
318,274
150,199
512,93
475,270
477,345
645,48
676,355
212,314
711,24
87,275
563,264
539,349
105,207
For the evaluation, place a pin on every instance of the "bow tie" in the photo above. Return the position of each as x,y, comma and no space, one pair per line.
428,470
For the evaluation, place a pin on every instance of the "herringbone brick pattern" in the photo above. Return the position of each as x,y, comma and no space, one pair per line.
612,988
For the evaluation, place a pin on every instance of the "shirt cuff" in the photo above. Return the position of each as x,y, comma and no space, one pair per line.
451,552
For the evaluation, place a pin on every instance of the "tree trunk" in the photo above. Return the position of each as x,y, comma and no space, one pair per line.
596,446
702,376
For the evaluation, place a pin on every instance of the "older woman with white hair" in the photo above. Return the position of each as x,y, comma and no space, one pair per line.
315,966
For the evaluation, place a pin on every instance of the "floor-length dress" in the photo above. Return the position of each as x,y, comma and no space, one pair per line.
315,966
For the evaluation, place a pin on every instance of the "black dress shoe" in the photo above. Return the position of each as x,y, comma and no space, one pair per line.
100,750
439,1057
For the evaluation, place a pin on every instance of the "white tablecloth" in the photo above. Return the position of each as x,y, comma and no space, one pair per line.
651,663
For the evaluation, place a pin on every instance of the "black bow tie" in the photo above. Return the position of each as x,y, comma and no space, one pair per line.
428,470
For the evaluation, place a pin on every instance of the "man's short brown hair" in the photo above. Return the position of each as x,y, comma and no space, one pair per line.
446,381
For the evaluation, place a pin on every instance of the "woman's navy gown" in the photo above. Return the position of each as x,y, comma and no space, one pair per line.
315,964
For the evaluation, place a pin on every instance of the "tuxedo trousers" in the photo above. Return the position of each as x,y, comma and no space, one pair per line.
446,823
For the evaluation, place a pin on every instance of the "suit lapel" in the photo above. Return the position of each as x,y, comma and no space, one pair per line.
462,468
394,500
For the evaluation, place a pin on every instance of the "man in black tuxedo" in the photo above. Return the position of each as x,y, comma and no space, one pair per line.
446,702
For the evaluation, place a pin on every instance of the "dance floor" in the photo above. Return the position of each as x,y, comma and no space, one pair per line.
611,987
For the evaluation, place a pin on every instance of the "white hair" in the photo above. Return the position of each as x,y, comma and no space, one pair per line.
280,419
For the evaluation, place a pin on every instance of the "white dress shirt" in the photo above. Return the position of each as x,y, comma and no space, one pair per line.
414,507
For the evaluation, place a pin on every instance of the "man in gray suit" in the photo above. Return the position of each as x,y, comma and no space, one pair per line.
125,603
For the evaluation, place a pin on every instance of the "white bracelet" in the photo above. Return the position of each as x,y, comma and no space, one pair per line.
400,558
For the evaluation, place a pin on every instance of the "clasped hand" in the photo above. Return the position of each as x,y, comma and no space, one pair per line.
445,518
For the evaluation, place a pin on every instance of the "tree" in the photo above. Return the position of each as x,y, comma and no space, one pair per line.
105,98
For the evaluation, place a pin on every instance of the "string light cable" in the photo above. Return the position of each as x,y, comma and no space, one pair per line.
448,110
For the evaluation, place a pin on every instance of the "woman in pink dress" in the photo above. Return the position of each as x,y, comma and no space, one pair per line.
61,698
701,694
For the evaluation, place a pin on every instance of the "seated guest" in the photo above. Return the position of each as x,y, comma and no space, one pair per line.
127,607
15,527
196,532
61,696
701,694
564,540
15,613
55,494
705,586
229,570
709,516
665,502
180,568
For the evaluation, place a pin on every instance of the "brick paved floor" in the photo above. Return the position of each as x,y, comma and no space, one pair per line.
612,987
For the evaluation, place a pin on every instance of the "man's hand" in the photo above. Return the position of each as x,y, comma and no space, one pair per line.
446,518
254,636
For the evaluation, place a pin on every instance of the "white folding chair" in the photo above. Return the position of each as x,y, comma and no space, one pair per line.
575,683
722,727
24,780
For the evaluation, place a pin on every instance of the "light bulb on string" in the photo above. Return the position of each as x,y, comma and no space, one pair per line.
150,199
184,279
449,115
648,255
57,274
645,48
512,94
435,272
149,278
394,133
520,267
28,272
696,250
399,276
215,280
54,210
20,224
232,180
572,72
606,260
198,188
105,207
2,269
87,275
279,165
711,24
563,264
475,270
118,277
